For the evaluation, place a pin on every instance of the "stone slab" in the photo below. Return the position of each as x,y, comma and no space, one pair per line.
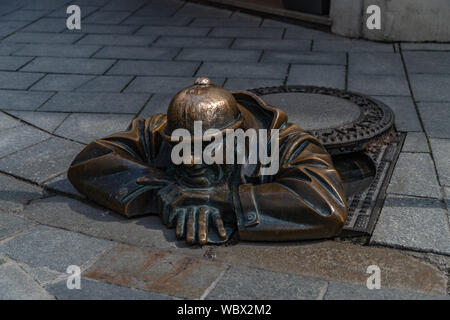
106,84
47,121
41,161
425,46
107,17
15,284
351,46
406,118
245,83
7,122
272,44
375,63
138,53
173,31
96,102
335,261
18,80
62,184
105,29
302,57
244,70
192,42
297,32
415,142
9,48
43,37
15,139
427,62
155,68
315,75
243,283
159,21
157,104
22,100
25,15
156,271
413,223
414,175
198,10
387,85
226,55
14,194
441,155
61,82
435,118
41,275
89,127
96,290
117,40
164,84
69,65
243,32
56,25
13,63
230,22
10,224
54,248
430,87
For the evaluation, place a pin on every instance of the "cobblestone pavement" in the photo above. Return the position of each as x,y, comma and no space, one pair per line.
60,89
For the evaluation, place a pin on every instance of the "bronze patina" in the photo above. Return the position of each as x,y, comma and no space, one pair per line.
131,172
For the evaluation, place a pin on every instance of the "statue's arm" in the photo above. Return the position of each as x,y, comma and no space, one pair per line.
107,169
305,200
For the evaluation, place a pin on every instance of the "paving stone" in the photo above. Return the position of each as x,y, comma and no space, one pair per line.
435,117
54,248
60,82
117,40
42,161
7,122
9,48
86,9
159,10
245,283
174,31
17,138
414,175
231,55
62,184
427,62
47,25
89,127
156,271
48,121
25,15
425,46
297,32
15,194
157,104
324,76
245,84
138,53
106,84
155,68
441,152
9,27
41,275
301,57
413,223
198,10
10,224
351,46
18,80
344,291
375,63
47,5
228,22
13,63
378,84
415,142
192,42
42,37
158,21
105,29
244,70
68,65
119,5
430,87
106,17
95,290
58,50
335,261
164,84
272,44
260,33
22,100
15,284
406,118
96,102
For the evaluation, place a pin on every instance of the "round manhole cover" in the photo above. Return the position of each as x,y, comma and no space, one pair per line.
343,121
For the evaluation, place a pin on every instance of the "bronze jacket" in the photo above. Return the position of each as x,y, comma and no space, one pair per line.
304,200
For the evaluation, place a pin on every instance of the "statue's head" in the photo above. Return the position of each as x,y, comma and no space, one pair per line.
213,106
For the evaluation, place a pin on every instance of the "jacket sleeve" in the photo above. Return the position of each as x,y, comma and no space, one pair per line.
304,200
106,170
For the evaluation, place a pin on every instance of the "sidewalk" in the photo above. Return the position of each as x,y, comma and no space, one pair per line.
61,89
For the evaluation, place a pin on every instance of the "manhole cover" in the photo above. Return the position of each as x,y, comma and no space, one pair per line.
357,131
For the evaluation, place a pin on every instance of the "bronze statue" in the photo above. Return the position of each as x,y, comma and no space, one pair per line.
132,173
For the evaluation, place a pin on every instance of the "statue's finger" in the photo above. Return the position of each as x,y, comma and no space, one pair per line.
219,224
191,228
181,223
202,224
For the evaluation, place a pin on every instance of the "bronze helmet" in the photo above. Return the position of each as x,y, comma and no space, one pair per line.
206,102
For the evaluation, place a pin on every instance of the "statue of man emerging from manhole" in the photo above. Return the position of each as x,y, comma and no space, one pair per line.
208,196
